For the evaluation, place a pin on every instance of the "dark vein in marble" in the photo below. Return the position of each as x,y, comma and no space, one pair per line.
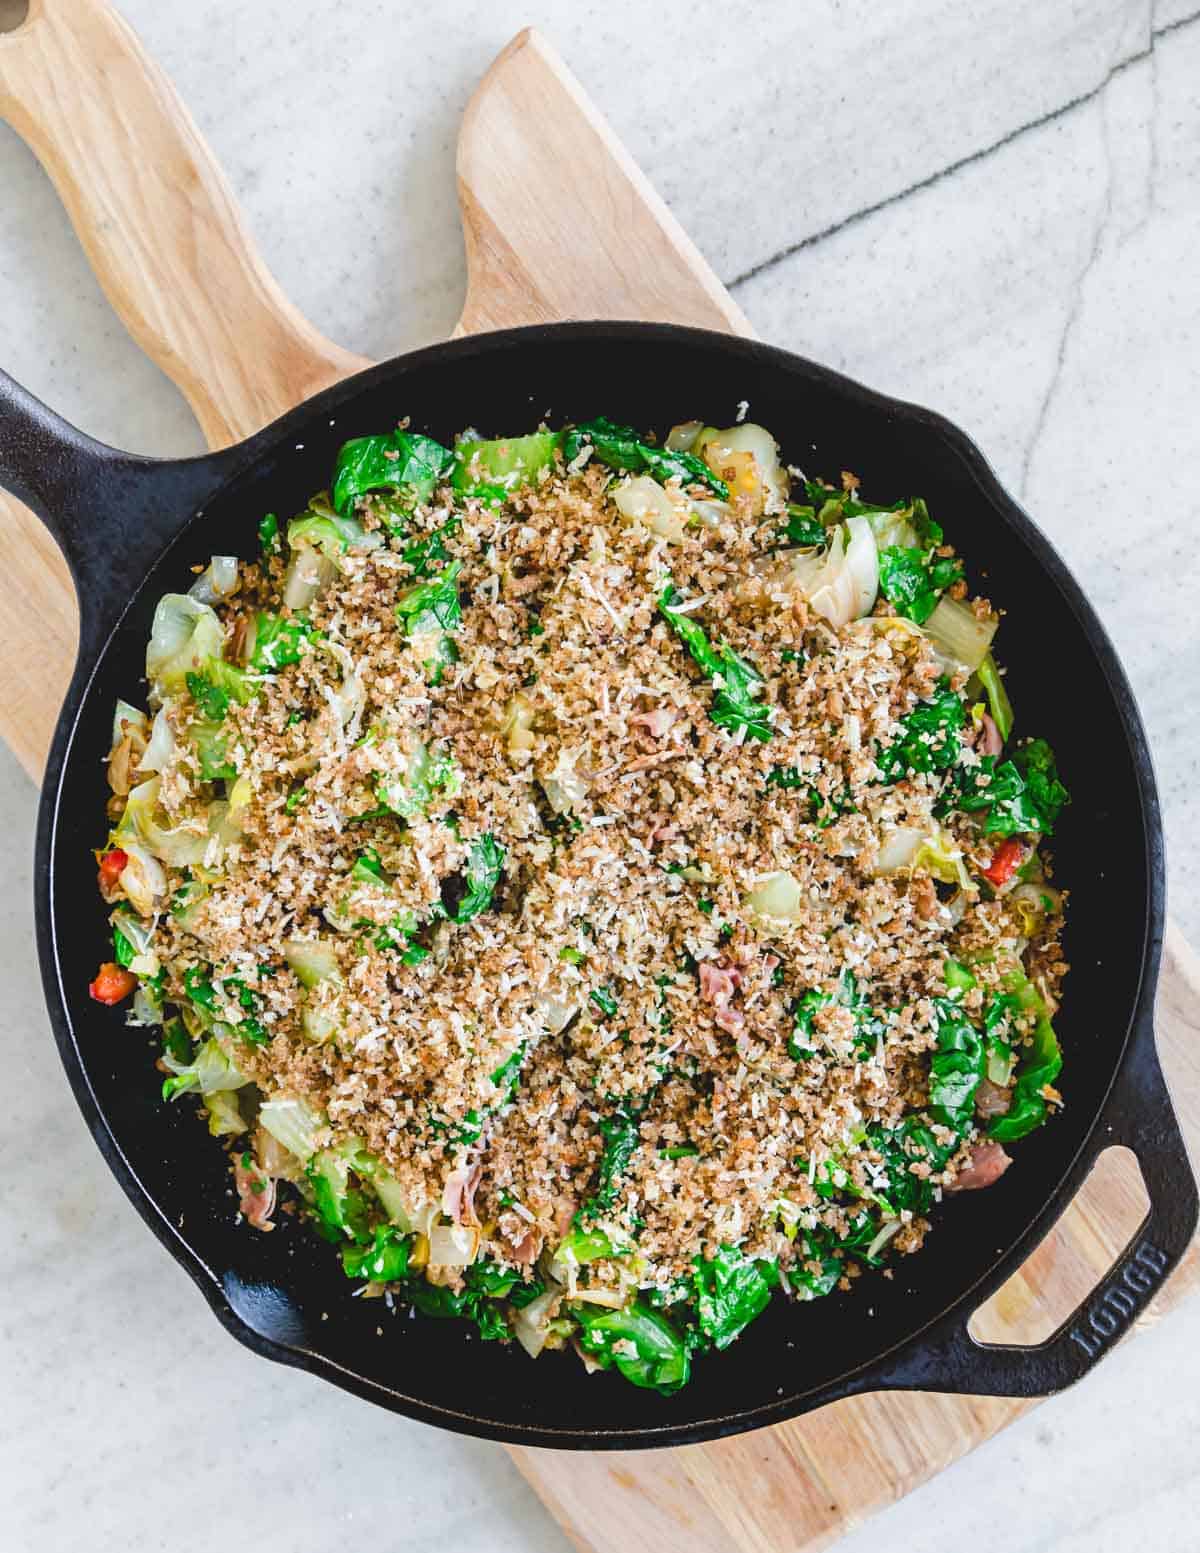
967,161
1066,334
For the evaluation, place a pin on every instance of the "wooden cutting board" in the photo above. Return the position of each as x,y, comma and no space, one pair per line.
559,223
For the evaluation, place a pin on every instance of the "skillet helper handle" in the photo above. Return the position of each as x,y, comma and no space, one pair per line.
1139,1115
157,219
67,478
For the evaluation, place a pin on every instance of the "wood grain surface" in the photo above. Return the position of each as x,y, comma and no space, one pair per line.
165,238
559,222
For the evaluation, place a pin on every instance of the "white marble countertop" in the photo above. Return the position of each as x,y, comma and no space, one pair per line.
992,207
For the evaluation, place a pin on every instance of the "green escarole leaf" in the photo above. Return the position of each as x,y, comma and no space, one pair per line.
956,1068
620,447
643,1345
482,1299
1021,796
930,739
803,527
998,703
1038,1065
383,1261
405,463
912,580
485,864
432,605
216,685
492,470
622,1136
910,1142
730,1291
278,641
428,773
736,682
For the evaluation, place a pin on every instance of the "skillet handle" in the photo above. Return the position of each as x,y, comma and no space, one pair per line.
1139,1115
68,478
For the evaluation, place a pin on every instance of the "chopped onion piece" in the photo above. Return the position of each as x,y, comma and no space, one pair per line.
897,849
217,582
129,719
959,638
453,1245
840,583
142,879
161,746
531,1324
682,438
642,500
294,1124
778,896
184,633
746,457
308,572
557,1015
311,959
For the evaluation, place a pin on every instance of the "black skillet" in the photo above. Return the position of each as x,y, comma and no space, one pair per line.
131,528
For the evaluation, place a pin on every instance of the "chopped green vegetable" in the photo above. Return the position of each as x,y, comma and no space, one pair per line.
268,534
1038,1065
680,1151
429,774
910,1142
209,1071
492,471
176,1042
913,580
868,1025
294,799
572,956
507,1077
931,737
1021,796
731,1290
123,951
485,864
279,641
956,1068
604,1000
341,1209
432,607
323,528
367,868
620,447
479,1301
659,1361
622,1135
801,1044
958,978
405,463
803,527
383,1261
216,685
422,553
736,681
581,1246
209,739
998,703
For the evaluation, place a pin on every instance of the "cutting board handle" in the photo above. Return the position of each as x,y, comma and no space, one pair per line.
157,219
559,220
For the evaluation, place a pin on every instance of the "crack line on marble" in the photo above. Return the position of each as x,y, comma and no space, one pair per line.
1076,304
1061,111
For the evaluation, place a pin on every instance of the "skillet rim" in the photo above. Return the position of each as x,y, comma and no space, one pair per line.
228,467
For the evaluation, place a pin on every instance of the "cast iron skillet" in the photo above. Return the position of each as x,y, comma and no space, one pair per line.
130,528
